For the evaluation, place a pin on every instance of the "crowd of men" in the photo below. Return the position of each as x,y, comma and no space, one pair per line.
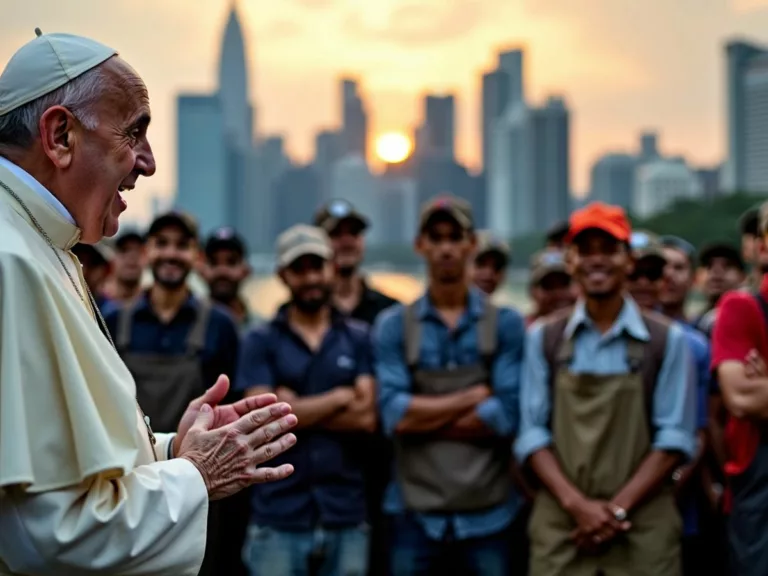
605,433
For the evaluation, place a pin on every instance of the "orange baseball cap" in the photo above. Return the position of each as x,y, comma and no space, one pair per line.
599,216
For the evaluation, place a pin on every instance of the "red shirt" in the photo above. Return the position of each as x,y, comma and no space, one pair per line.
740,327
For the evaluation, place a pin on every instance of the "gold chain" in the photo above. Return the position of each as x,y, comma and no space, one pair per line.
91,300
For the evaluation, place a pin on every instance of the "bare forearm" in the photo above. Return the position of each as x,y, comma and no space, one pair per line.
651,474
466,427
548,470
353,419
746,397
310,411
430,413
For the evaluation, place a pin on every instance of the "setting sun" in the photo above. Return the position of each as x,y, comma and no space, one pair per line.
393,147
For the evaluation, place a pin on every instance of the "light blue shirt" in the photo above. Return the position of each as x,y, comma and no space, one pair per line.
674,401
441,347
41,190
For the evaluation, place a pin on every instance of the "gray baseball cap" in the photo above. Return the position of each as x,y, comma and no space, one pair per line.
302,240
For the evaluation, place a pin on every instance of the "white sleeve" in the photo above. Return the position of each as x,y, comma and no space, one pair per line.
151,522
163,446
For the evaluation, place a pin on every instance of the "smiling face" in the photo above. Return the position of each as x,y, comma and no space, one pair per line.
92,167
172,254
600,264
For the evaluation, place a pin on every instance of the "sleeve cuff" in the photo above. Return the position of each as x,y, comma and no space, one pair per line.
531,441
675,440
491,412
393,412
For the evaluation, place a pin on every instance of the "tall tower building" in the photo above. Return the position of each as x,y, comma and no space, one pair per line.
233,83
439,125
747,97
354,119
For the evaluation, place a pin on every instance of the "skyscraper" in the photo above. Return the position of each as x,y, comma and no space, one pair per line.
233,84
439,131
220,178
613,179
747,95
354,119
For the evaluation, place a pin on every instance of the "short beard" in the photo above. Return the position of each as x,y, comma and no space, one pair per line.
310,306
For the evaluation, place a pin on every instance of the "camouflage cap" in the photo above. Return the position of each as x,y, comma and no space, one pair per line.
455,208
547,262
302,240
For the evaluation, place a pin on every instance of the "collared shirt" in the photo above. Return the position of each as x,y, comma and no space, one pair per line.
149,334
30,181
440,348
674,401
372,303
327,485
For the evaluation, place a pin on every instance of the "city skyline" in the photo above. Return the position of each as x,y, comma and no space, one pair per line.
627,67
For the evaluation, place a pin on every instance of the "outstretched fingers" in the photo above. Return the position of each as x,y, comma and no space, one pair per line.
262,475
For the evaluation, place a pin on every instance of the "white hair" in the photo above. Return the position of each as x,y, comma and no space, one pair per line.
20,127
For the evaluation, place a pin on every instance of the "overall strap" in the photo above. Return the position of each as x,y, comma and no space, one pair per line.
488,333
412,335
558,351
124,325
653,357
196,337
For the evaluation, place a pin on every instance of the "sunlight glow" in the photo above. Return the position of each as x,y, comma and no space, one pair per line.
393,147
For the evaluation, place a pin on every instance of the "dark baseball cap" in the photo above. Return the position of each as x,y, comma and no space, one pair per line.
455,208
174,218
225,238
488,243
558,231
102,251
330,215
547,263
721,250
748,221
646,246
130,235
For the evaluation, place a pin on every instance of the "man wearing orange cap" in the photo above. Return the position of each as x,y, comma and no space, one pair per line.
607,414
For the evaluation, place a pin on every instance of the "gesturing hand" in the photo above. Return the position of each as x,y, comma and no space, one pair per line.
222,415
754,366
228,457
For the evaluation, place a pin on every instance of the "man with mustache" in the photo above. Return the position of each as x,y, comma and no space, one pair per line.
607,415
225,269
173,343
448,367
86,486
319,361
353,296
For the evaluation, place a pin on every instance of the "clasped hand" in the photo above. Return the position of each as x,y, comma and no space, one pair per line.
596,524
227,443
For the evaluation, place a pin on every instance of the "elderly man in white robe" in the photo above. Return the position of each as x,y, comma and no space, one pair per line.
85,485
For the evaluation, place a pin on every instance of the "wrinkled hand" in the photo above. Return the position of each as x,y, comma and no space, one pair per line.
596,523
222,415
754,365
228,457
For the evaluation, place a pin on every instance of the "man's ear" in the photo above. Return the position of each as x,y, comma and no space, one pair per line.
58,135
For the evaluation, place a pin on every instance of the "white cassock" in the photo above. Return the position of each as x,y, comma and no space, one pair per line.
80,490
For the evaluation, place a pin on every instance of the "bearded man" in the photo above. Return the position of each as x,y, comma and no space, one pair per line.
86,487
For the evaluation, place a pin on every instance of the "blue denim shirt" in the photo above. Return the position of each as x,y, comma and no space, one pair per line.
674,402
441,347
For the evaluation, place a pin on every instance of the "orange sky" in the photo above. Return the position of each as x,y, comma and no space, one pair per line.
623,65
